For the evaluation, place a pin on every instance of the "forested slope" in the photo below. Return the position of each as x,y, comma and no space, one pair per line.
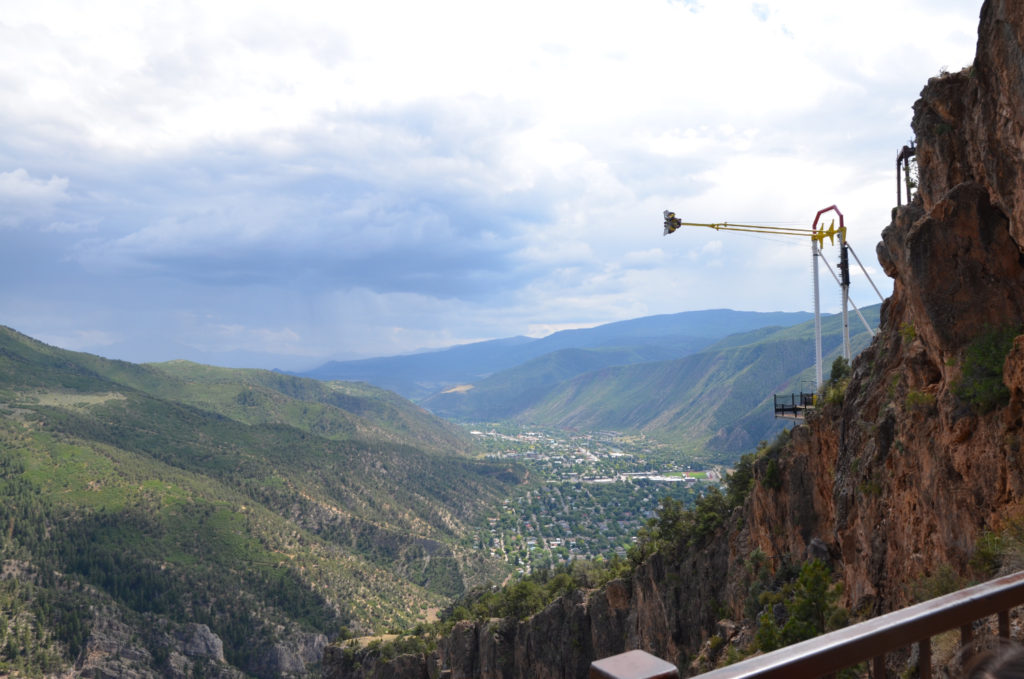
143,501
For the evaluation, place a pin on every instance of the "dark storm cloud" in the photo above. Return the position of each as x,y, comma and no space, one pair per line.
329,212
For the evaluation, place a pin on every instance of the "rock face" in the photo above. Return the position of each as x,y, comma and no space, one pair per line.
907,476
969,125
663,610
338,664
114,649
290,659
168,649
898,481
903,478
198,641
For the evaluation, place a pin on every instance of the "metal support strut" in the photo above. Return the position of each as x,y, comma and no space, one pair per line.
844,284
844,276
904,156
817,234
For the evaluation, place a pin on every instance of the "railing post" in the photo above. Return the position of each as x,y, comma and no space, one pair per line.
1004,624
633,665
966,639
924,659
878,667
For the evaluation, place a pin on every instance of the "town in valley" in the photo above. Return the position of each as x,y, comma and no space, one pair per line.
586,495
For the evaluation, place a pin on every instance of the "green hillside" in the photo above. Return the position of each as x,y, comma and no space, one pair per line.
337,410
503,395
268,507
716,403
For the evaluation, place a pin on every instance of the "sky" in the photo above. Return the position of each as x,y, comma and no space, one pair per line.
277,184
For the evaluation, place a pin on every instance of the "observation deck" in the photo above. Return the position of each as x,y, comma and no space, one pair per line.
794,406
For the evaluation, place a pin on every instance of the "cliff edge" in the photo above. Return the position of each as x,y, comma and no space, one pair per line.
924,454
901,474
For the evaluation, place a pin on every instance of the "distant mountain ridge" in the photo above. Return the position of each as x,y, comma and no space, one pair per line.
715,402
658,337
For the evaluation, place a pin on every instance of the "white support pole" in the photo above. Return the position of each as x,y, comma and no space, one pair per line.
846,324
844,275
817,319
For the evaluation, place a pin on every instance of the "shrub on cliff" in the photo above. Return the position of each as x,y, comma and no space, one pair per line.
740,481
523,598
981,380
834,390
810,605
675,528
770,475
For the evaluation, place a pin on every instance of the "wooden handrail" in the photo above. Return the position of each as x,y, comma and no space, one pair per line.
872,639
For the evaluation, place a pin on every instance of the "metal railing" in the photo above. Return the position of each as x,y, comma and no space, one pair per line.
793,406
872,639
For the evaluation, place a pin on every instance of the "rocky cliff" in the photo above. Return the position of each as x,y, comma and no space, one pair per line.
891,483
115,648
915,466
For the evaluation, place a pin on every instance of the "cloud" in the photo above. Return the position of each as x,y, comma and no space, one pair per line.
328,180
23,197
317,229
83,226
19,186
644,258
235,336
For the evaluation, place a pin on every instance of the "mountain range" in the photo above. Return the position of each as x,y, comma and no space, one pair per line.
651,338
703,381
716,403
188,519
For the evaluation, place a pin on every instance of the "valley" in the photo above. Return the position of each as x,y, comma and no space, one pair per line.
272,514
347,342
587,494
